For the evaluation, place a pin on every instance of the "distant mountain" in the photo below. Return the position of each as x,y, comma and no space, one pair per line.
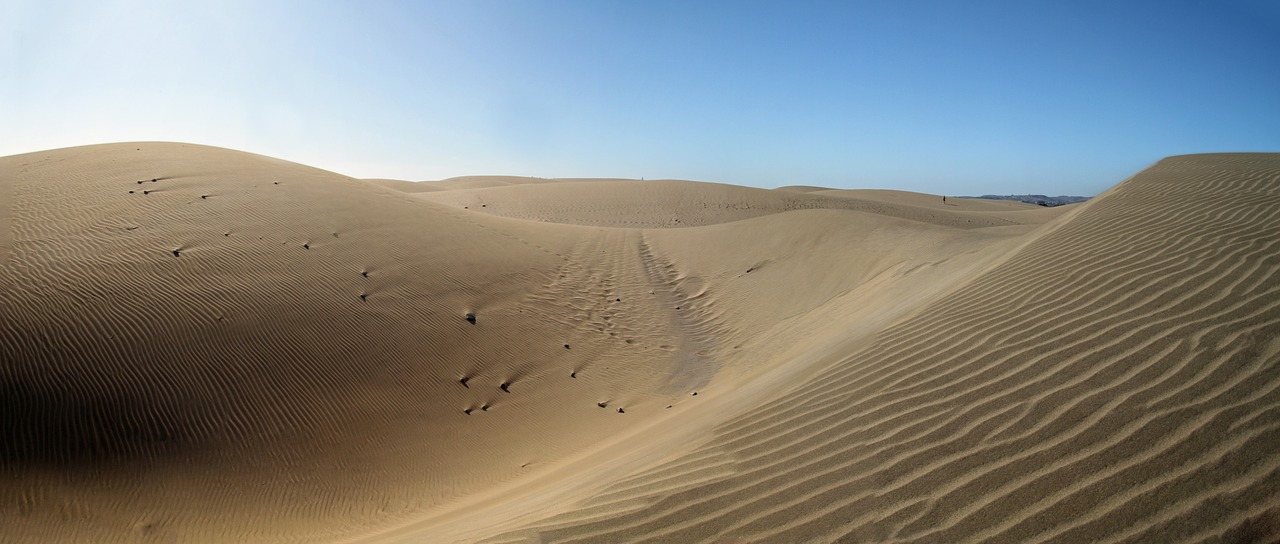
1039,200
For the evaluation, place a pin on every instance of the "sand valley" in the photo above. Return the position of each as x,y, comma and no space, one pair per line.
207,345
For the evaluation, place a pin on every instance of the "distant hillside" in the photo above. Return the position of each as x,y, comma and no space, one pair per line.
1040,200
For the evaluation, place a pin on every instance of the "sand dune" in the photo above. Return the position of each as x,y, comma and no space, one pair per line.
657,204
202,345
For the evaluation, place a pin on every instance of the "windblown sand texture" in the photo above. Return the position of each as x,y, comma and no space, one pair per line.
205,345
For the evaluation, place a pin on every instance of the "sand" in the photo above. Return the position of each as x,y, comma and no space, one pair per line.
206,345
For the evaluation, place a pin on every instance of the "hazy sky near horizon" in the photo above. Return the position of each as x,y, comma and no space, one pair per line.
978,97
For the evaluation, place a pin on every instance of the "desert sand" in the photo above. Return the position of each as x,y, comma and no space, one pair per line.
207,345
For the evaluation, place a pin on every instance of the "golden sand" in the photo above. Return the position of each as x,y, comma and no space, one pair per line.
206,345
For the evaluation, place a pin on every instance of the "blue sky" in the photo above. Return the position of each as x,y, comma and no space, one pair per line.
978,97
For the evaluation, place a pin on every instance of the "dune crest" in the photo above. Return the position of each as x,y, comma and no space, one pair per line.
202,344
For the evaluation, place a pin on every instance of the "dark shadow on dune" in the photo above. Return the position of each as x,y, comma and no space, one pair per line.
51,426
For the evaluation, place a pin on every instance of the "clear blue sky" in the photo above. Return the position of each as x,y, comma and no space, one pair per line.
943,97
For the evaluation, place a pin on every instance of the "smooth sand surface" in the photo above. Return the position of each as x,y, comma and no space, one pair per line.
206,345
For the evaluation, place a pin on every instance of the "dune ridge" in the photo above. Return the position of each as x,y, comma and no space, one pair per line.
679,203
202,344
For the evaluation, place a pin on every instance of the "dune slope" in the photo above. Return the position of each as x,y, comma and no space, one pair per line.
1116,379
214,345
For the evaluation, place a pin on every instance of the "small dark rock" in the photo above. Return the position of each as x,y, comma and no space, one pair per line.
471,318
